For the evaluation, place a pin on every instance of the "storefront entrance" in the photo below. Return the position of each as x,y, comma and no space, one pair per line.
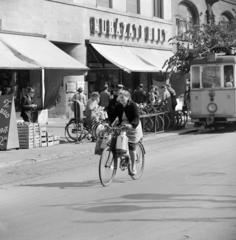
102,72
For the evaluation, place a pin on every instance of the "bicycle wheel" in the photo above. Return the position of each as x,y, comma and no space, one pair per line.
160,123
148,124
139,161
107,167
76,132
166,121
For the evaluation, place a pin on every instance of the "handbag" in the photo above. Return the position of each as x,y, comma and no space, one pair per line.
98,150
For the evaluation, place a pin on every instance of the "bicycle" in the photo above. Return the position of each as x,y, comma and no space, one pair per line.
81,130
108,163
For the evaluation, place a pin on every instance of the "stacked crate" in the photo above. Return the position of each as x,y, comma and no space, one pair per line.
43,137
50,137
29,135
56,139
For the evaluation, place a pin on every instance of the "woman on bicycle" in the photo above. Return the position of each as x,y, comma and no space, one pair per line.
128,116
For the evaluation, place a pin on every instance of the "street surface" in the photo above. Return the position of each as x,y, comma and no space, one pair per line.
187,191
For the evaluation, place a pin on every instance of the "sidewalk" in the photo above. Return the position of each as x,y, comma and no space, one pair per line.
15,157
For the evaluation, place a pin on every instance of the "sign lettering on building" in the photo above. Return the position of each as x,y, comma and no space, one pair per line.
120,29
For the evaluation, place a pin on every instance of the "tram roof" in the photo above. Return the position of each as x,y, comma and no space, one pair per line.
219,60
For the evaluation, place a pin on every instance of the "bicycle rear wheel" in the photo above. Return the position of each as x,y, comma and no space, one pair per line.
107,167
75,131
139,161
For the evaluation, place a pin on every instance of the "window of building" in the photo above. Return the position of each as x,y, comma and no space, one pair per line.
133,6
185,18
104,3
225,18
158,8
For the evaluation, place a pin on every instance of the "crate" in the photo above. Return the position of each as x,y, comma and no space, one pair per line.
50,139
26,146
56,137
44,144
50,134
29,135
56,142
50,143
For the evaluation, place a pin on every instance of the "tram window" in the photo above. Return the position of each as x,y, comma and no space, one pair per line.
196,77
228,76
211,77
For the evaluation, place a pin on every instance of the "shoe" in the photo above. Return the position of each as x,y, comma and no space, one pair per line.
134,172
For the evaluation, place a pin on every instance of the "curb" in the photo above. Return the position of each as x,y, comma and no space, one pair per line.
41,158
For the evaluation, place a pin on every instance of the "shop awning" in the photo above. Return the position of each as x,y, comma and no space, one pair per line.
154,56
9,61
132,59
41,52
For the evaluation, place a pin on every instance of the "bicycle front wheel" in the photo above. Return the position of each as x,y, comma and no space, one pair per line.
107,167
140,160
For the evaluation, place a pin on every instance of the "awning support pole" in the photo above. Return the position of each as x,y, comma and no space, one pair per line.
43,87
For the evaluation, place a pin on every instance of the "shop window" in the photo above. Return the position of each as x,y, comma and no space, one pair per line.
158,8
133,6
98,78
196,77
127,81
184,19
211,77
104,3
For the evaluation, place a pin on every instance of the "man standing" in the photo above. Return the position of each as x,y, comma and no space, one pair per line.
173,95
27,105
139,95
105,97
166,98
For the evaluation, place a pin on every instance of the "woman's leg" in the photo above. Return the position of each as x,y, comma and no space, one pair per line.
133,159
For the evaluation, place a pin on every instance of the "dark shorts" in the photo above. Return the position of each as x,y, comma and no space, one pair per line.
132,146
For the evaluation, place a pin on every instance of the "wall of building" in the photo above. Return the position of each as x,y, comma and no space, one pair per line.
179,81
66,23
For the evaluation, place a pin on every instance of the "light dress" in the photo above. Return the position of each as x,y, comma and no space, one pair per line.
134,134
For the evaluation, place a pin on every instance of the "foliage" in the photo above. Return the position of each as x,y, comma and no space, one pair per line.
198,40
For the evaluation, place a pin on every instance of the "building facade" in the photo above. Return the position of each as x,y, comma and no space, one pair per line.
120,41
117,40
186,12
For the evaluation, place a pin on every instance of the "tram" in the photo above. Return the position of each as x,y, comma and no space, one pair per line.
213,91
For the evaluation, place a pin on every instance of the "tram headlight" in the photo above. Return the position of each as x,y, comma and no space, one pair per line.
212,107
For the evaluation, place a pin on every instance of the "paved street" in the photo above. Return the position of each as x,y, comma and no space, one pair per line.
187,192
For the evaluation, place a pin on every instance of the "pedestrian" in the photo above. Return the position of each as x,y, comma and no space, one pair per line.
120,89
166,97
186,106
151,95
128,115
113,102
105,97
27,105
91,108
80,96
173,96
139,95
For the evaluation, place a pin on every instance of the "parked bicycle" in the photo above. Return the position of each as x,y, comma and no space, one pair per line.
110,159
78,131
